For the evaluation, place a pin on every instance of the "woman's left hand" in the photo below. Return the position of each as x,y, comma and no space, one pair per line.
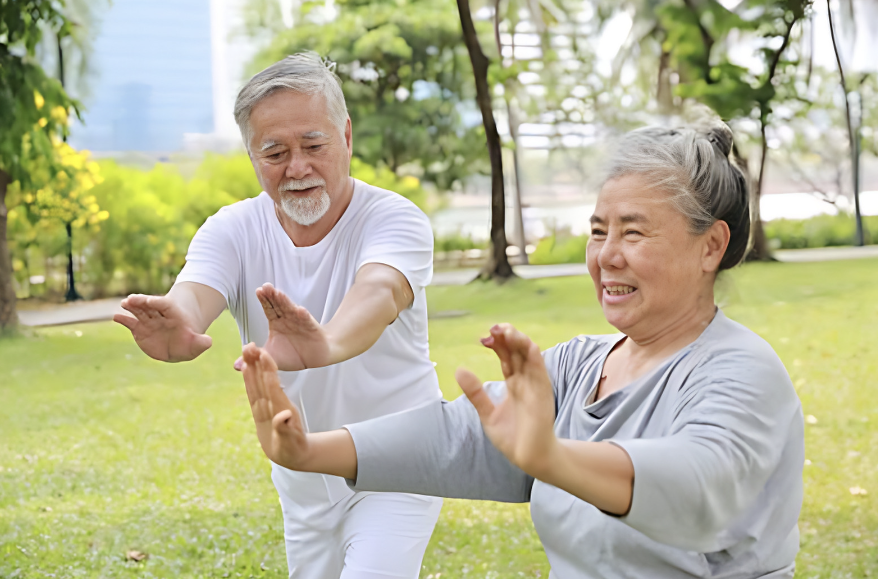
522,425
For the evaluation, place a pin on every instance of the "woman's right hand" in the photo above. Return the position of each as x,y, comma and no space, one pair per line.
278,424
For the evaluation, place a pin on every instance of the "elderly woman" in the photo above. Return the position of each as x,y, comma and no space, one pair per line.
672,449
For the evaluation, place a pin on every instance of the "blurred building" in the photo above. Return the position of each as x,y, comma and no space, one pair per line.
163,78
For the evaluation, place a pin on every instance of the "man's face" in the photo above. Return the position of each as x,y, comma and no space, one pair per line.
302,160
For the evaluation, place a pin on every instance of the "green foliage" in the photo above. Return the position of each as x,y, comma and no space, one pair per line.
406,77
819,231
696,37
407,186
153,216
26,92
559,249
457,242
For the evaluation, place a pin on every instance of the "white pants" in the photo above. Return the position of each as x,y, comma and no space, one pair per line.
360,536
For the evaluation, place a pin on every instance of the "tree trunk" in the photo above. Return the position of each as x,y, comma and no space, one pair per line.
517,214
498,264
71,295
8,316
759,251
853,132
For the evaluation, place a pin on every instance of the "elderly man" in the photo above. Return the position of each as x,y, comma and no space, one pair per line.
351,338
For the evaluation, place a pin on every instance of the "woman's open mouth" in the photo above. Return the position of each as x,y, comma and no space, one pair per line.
618,293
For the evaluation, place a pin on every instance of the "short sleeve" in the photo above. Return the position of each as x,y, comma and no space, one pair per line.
402,238
737,424
213,259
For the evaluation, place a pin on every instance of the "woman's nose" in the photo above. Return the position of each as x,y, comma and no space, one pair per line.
610,254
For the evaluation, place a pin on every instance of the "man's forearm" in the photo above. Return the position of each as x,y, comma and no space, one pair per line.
201,303
364,314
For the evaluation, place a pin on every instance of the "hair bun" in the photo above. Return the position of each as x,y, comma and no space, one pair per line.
721,136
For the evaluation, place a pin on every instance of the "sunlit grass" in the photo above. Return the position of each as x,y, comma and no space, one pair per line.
105,451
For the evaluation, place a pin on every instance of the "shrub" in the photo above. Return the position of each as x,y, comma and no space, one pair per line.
559,249
819,231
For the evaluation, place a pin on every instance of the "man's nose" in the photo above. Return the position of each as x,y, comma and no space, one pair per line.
299,167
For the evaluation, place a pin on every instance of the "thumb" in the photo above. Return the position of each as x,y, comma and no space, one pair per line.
283,422
200,343
472,387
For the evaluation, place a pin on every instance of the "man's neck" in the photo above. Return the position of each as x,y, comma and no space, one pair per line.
308,235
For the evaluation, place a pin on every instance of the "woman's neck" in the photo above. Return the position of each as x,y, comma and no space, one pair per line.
645,348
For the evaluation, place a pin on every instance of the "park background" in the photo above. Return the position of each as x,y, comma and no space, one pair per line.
117,141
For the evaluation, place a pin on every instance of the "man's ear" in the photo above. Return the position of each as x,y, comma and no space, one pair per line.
256,170
716,240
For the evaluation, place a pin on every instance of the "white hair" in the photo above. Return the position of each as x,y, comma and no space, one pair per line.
693,165
304,73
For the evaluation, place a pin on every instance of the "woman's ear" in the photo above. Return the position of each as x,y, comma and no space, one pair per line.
716,240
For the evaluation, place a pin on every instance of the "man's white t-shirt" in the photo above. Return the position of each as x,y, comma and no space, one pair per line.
244,246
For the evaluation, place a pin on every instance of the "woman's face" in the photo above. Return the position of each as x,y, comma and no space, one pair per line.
649,271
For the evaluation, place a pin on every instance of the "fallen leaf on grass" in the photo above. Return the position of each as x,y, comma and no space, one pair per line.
858,491
136,556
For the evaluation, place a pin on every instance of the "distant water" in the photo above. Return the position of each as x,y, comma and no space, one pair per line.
474,222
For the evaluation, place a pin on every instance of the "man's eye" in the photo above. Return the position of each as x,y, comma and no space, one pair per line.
632,232
597,232
315,147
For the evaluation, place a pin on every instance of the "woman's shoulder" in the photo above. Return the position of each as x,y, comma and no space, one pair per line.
734,356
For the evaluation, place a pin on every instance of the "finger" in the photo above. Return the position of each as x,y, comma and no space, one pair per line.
285,306
267,305
239,363
472,387
162,306
135,308
127,321
251,373
518,345
497,343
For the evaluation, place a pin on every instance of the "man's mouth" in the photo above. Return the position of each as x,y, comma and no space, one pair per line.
302,192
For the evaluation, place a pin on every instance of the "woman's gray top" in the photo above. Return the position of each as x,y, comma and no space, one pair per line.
715,434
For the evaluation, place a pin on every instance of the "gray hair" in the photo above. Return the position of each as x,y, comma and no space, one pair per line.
304,73
692,164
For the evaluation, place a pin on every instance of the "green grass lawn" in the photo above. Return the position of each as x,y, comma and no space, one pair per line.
103,450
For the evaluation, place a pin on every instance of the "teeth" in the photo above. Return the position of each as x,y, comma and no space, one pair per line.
619,290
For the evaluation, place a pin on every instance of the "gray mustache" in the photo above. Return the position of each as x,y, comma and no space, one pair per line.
297,185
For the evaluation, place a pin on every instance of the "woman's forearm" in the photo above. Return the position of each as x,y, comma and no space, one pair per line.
331,453
599,473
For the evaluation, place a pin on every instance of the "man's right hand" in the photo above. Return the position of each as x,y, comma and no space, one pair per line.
162,329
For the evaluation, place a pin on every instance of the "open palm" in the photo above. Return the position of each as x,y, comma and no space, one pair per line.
278,424
296,340
521,426
162,329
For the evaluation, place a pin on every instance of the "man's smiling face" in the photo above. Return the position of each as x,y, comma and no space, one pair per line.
302,159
